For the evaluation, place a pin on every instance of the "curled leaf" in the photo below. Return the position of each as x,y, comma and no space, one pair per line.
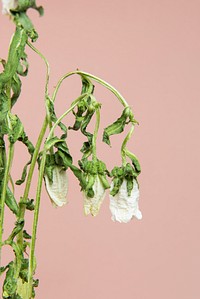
118,126
11,202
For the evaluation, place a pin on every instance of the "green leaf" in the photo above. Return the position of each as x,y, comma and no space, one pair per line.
85,111
23,21
87,86
30,205
23,65
26,235
104,181
79,175
134,160
129,185
23,5
63,158
17,229
4,106
17,128
16,88
117,127
52,142
24,174
52,115
24,139
16,51
11,202
117,182
49,166
10,282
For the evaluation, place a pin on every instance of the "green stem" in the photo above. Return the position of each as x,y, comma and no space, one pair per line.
107,85
37,147
29,179
124,143
46,62
94,139
38,197
99,80
4,188
35,224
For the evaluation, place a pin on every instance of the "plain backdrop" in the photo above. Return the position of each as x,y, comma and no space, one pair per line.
150,51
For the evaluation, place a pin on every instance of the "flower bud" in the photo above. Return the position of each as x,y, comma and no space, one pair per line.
58,187
92,204
124,207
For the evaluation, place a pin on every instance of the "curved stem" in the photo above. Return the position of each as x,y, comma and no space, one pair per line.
123,147
46,62
99,80
94,139
107,85
59,84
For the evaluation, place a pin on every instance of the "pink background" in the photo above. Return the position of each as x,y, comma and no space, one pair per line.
150,51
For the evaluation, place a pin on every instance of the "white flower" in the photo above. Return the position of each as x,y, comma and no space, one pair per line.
9,5
92,205
57,189
124,207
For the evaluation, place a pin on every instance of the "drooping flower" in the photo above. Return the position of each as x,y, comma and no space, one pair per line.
57,188
123,206
9,5
92,204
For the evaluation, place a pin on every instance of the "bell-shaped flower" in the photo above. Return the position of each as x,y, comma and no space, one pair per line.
57,188
124,207
93,203
9,5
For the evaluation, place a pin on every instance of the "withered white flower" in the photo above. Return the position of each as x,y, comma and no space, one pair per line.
8,5
57,189
124,207
92,205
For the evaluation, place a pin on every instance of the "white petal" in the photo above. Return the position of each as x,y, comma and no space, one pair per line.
57,189
8,5
92,205
124,207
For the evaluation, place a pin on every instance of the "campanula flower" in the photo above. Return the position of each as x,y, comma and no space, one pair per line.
123,206
57,187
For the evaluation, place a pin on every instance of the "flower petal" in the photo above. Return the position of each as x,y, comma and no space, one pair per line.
57,189
124,207
8,5
92,205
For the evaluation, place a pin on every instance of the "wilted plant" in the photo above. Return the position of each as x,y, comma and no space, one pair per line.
52,155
